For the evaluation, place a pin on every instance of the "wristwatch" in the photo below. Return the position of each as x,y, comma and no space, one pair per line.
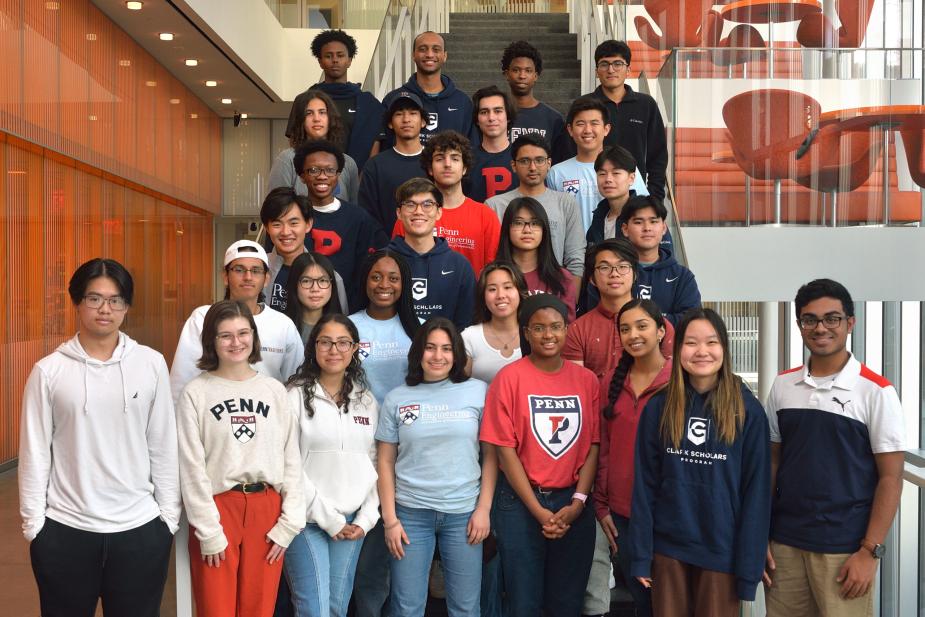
877,550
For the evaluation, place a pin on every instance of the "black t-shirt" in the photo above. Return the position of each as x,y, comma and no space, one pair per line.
541,119
277,299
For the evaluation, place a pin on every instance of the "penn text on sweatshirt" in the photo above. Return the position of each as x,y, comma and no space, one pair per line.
237,432
98,441
705,503
338,459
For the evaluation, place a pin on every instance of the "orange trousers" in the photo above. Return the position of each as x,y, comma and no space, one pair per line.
244,585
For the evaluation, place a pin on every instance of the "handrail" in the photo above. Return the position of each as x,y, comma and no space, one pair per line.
391,63
594,21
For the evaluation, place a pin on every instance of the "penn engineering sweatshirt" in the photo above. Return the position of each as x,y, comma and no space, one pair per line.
98,441
236,432
338,459
281,348
442,282
705,503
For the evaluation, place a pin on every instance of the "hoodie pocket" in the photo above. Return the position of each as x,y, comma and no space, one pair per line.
695,514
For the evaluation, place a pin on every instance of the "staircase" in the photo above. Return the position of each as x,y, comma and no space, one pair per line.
476,41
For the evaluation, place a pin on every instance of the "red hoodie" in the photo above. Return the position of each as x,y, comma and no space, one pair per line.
613,488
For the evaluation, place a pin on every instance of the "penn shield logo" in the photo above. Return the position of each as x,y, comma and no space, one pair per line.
407,414
418,288
571,186
243,428
556,422
365,349
697,430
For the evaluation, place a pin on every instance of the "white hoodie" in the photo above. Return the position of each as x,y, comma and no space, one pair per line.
98,441
281,349
338,459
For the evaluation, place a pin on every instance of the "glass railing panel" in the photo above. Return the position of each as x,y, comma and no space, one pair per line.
795,136
343,14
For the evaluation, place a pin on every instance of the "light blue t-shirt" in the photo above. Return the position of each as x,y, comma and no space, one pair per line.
580,180
436,428
383,351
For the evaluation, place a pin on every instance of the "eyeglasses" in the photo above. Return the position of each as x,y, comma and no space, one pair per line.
342,345
116,303
314,172
539,161
227,338
607,269
306,282
809,322
427,206
540,329
616,65
521,223
241,270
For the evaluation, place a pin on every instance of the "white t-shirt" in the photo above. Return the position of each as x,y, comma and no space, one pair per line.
486,360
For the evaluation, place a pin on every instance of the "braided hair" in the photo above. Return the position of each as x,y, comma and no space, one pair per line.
627,360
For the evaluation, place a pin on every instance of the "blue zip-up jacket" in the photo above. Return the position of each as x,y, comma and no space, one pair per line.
446,110
442,282
705,503
669,284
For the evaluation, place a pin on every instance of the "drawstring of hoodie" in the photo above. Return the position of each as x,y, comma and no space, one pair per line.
122,377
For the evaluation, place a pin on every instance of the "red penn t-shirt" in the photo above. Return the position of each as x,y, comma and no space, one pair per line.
550,419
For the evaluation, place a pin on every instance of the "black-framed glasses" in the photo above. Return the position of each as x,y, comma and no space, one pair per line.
427,206
616,65
521,223
116,303
525,161
307,282
606,269
314,172
342,345
809,322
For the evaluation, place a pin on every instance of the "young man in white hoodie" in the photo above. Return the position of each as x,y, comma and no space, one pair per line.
246,274
98,470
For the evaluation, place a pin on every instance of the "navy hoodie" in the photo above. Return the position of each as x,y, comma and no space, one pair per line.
669,284
365,114
595,232
449,109
442,282
705,503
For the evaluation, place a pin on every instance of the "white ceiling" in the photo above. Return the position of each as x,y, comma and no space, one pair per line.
194,39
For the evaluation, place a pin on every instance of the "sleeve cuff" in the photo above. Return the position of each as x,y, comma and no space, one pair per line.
641,567
31,529
213,545
746,590
282,534
366,523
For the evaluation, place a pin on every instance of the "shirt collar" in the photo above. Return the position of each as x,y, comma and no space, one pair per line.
844,380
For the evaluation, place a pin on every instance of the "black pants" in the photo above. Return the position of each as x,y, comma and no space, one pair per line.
74,569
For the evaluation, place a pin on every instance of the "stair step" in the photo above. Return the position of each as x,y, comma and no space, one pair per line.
459,73
464,61
483,51
537,17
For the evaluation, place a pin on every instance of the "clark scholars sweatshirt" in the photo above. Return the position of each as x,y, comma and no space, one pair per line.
705,503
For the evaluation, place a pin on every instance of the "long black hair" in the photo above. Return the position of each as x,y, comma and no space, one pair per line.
294,308
406,315
626,359
548,267
308,374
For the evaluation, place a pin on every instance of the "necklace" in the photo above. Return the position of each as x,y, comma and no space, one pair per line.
330,396
505,345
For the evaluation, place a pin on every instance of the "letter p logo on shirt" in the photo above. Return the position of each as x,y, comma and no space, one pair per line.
556,422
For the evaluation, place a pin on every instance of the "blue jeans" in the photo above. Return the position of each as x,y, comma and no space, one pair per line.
542,576
642,597
320,572
371,585
461,561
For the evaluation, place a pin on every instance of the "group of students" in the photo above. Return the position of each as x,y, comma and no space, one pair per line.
487,383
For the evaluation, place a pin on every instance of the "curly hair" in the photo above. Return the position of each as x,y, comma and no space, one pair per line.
521,49
337,131
309,373
445,141
334,36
